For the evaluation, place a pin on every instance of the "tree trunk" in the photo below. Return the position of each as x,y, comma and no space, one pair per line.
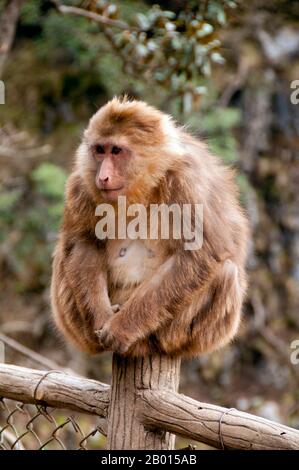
128,377
8,23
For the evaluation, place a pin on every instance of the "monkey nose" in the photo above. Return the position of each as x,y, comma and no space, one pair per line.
104,180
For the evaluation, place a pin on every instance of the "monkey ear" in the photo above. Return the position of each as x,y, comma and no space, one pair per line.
86,134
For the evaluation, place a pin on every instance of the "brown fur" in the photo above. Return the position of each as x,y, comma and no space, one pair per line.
178,302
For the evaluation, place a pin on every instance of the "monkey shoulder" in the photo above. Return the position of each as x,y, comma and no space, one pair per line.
75,191
79,213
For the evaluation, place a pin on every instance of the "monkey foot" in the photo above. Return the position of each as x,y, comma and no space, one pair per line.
112,341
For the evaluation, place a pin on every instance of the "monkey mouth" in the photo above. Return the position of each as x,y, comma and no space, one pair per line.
107,190
111,193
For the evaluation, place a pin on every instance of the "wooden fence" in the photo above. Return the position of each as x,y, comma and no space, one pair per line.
142,409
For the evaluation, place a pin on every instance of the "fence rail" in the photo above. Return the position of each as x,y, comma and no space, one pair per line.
150,403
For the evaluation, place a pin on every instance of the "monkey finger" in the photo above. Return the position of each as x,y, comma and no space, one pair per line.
102,335
110,342
118,346
102,338
107,339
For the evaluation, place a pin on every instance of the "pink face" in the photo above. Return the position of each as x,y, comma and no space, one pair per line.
112,162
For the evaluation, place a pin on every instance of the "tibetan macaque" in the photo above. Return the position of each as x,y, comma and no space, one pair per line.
143,296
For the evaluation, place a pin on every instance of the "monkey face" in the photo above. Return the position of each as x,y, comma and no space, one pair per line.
111,162
122,150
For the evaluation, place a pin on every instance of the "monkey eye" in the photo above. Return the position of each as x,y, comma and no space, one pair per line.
115,150
99,149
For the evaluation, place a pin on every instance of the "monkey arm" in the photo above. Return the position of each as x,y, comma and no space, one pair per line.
80,298
86,274
157,301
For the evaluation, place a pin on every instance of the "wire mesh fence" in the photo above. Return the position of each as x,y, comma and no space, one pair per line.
36,427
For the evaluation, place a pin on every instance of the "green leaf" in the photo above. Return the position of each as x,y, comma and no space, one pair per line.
8,199
50,180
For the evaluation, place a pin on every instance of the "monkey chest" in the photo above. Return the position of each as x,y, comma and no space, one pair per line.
130,262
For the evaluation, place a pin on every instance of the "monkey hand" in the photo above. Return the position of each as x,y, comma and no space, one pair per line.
114,337
102,318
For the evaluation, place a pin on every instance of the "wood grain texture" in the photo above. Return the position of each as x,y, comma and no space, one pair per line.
129,376
211,424
145,409
54,388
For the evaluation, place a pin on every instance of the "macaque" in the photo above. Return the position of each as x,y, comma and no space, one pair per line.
144,296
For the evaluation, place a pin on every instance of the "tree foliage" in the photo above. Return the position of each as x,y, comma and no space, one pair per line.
175,50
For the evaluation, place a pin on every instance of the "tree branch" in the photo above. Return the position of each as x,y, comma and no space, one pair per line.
55,389
216,426
9,19
68,10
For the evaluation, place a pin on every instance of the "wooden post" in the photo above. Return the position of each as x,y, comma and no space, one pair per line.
129,376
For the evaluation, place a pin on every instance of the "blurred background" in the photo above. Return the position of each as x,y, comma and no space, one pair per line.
223,68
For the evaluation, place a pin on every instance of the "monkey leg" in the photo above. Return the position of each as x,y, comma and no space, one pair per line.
67,315
212,318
